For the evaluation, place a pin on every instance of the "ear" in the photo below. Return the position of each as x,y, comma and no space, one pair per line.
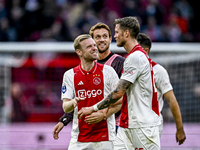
79,52
126,33
146,50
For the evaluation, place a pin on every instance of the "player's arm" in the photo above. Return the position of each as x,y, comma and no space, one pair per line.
114,108
173,104
69,104
113,97
98,116
63,121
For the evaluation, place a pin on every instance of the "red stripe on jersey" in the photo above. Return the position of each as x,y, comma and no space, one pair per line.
153,63
124,112
155,104
90,85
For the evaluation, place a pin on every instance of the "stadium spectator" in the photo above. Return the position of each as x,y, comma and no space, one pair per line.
20,104
36,15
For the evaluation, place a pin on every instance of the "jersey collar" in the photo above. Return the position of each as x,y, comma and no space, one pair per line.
88,72
136,47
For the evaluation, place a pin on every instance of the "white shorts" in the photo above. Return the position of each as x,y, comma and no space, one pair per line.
103,145
137,139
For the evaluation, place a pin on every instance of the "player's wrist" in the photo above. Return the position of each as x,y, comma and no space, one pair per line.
95,107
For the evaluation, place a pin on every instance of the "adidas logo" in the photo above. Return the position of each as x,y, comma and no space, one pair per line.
80,83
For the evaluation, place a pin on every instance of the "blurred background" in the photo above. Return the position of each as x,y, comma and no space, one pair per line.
36,48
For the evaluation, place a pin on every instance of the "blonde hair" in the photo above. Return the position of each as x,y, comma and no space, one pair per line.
79,39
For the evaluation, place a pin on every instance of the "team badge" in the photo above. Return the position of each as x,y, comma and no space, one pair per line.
96,80
64,89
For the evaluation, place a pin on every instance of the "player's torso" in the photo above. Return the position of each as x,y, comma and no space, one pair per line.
139,95
91,86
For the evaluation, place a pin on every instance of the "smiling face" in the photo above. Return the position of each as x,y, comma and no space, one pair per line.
119,36
102,39
88,50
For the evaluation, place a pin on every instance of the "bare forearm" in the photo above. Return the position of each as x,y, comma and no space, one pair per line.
113,110
177,115
110,99
114,96
173,104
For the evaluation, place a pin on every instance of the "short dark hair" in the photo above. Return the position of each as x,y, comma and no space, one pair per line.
99,25
129,23
144,40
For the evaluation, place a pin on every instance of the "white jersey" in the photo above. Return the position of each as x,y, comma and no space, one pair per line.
162,83
93,86
137,111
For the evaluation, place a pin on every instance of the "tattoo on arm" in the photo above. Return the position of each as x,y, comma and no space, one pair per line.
115,95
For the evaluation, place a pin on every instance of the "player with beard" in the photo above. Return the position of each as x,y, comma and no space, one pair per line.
139,121
83,86
101,34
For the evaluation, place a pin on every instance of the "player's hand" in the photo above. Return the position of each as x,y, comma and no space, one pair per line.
85,111
76,100
180,136
95,117
57,128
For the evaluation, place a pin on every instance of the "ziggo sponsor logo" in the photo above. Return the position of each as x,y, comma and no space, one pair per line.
90,93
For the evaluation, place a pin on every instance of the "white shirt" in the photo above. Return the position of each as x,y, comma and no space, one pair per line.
137,70
162,83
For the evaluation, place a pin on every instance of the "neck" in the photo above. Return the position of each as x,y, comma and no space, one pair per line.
104,55
87,65
130,44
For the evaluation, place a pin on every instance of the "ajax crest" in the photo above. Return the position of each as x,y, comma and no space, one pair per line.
96,80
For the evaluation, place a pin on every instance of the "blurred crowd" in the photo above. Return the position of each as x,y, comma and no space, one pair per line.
63,20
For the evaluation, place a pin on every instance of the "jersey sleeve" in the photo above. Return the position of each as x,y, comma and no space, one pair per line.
111,77
68,85
162,79
134,64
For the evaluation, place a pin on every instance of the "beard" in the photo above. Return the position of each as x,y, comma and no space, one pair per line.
104,50
121,44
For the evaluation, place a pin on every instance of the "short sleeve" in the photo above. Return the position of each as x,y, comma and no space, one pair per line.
134,64
68,85
162,79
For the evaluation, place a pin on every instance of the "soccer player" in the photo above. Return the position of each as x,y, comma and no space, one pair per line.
102,36
139,121
164,88
84,86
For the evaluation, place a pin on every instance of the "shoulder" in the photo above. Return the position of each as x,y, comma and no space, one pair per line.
69,72
137,55
159,68
107,67
109,70
137,58
160,71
